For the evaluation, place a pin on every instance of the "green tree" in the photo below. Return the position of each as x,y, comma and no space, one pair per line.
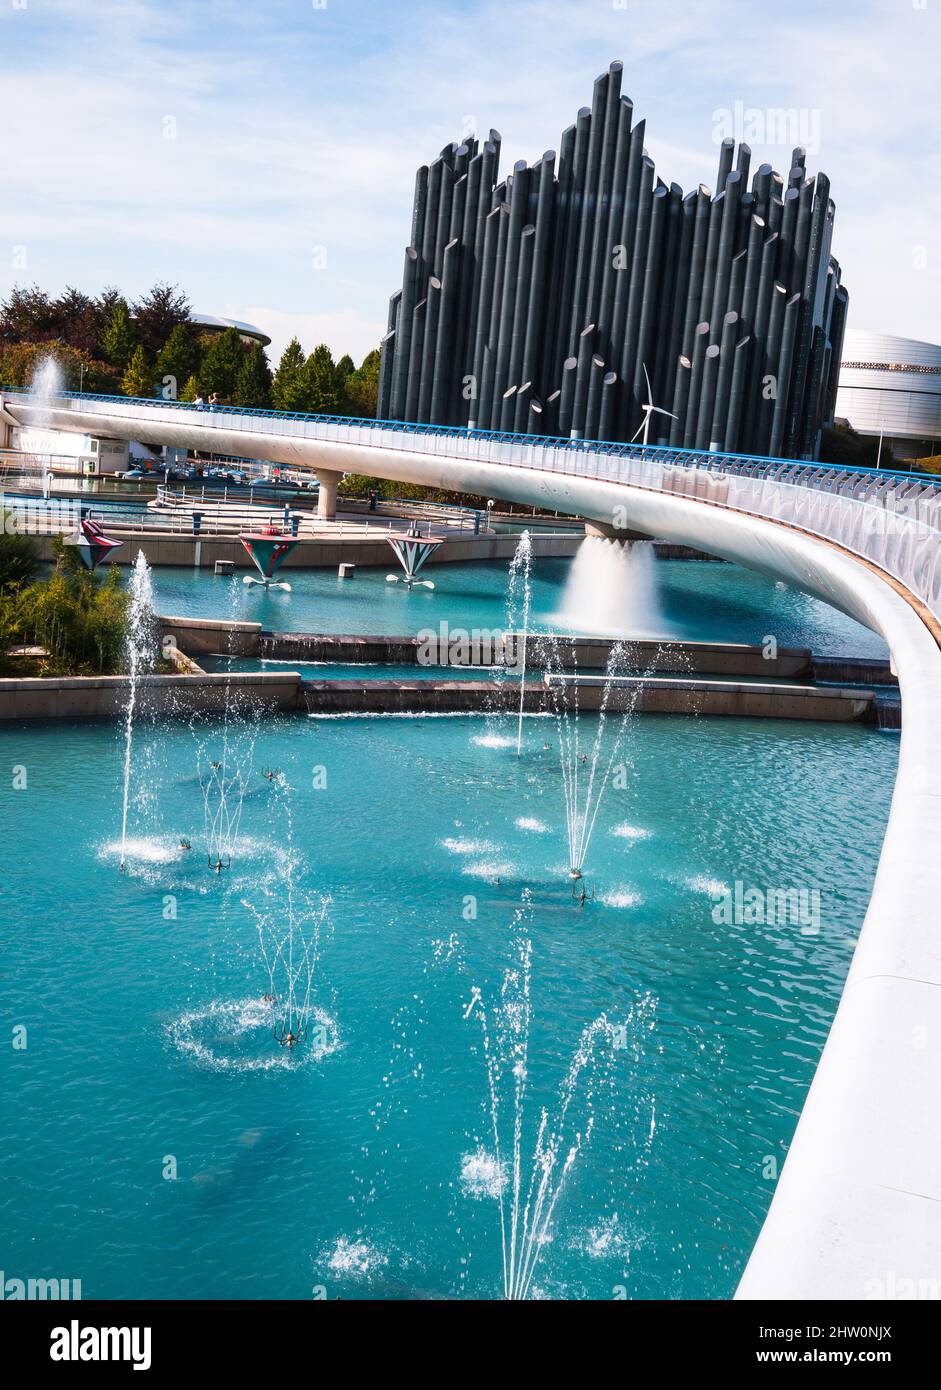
28,315
842,444
19,556
117,340
290,390
157,313
77,314
323,383
18,363
138,379
190,390
222,363
178,358
362,388
253,384
79,617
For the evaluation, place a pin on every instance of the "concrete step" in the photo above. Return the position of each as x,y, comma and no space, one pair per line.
643,695
584,653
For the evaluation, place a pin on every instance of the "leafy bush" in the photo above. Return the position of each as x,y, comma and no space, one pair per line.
19,555
80,619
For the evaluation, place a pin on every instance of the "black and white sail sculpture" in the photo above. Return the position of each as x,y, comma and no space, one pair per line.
411,551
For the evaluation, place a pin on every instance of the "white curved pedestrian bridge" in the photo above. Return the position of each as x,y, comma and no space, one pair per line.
857,1210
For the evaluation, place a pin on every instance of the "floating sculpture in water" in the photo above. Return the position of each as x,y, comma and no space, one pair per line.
268,550
91,544
412,551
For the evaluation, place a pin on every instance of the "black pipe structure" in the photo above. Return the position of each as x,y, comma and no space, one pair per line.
543,304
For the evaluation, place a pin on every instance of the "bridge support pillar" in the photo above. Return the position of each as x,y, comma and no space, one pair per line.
611,533
327,497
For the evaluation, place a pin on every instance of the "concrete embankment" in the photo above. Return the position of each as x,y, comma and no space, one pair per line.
105,697
583,653
771,688
642,695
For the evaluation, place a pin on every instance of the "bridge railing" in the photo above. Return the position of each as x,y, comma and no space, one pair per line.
490,445
892,519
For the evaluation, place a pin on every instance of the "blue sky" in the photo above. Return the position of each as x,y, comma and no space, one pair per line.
295,127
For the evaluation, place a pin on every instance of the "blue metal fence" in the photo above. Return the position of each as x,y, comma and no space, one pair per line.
653,453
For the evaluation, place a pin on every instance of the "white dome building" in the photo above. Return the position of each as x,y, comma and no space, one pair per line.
892,385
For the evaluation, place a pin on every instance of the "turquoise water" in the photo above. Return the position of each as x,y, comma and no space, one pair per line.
350,1167
699,601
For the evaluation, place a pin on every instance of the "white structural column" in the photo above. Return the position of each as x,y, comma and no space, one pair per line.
327,495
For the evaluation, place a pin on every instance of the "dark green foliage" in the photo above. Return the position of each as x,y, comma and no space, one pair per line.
117,339
324,385
841,444
19,556
289,390
80,618
179,359
362,388
253,383
222,364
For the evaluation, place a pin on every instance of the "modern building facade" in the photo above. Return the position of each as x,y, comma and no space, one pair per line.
545,302
891,386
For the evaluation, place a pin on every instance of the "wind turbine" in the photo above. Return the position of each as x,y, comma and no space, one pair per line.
649,409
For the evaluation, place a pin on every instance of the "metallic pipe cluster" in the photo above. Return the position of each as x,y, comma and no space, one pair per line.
544,303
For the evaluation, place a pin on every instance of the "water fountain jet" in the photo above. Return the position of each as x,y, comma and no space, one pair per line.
141,652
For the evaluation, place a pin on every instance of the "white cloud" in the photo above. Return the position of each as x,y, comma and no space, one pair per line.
298,128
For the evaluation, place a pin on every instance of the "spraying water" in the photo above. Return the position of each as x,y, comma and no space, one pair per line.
290,923
612,590
46,384
519,599
140,658
225,759
527,1172
587,768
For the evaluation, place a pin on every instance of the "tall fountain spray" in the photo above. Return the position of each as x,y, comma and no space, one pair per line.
519,600
529,1170
141,650
46,384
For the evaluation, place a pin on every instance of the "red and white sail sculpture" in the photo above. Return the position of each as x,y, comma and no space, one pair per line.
91,543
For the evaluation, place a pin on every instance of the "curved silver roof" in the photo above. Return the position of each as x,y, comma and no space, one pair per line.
248,330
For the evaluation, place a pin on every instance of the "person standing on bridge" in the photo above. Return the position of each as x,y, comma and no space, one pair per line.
214,401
